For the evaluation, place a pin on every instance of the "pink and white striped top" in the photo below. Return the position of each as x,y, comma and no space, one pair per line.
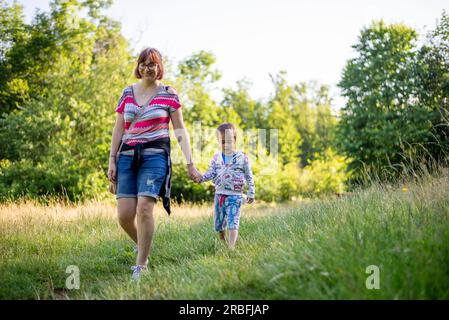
153,121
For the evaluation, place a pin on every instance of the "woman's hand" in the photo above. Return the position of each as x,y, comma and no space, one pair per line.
193,173
112,171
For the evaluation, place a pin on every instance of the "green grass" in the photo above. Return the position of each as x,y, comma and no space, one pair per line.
307,250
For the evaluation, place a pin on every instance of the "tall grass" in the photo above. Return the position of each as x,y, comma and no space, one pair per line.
305,250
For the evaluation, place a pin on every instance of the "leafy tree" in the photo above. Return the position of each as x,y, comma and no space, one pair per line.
280,117
313,119
378,123
63,127
195,79
432,73
251,113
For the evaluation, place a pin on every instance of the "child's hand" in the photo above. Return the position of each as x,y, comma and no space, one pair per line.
249,200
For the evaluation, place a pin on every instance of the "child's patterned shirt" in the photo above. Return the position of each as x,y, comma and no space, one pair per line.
230,178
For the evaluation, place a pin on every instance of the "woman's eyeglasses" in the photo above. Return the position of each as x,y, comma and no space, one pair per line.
148,66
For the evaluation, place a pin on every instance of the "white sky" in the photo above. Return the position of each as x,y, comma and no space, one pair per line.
311,40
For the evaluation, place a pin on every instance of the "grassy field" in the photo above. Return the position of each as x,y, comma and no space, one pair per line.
306,250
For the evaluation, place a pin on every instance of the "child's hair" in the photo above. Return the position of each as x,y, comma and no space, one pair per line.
227,126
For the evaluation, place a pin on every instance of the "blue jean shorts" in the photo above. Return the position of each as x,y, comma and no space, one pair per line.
147,182
227,212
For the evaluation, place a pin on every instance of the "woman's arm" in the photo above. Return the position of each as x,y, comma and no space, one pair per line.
117,134
183,138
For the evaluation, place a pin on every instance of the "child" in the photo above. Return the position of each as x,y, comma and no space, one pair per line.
229,169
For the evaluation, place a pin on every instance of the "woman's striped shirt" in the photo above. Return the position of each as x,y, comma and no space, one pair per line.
153,121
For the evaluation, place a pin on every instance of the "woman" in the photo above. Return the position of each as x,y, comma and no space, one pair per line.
143,169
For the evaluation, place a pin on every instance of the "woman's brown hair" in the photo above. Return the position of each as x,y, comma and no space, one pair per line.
155,57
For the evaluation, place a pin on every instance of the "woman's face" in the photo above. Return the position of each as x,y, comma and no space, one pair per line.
148,70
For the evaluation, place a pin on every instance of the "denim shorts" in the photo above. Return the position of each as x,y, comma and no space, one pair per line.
149,179
227,212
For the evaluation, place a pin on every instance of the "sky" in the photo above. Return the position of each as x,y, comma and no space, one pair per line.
310,40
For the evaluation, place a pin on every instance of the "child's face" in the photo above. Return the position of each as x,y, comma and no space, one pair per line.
227,141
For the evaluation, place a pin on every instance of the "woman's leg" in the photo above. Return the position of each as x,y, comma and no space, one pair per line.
223,235
126,209
145,228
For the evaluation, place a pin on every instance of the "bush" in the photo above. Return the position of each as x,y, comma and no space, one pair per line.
327,174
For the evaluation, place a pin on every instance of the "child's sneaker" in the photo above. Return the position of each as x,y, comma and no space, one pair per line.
137,270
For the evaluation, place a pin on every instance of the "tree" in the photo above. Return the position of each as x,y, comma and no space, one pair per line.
74,69
379,123
280,117
314,119
251,113
195,78
432,74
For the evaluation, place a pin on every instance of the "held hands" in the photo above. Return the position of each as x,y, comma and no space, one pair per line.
193,173
249,200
